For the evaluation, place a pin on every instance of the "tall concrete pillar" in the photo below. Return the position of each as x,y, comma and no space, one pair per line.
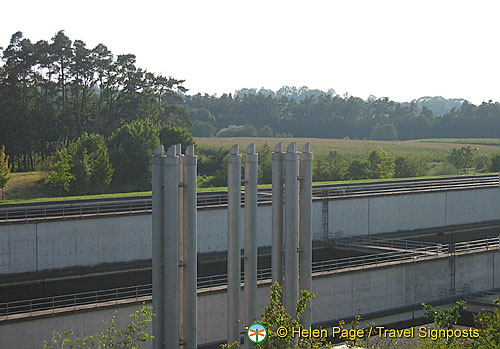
290,285
251,179
189,162
171,247
305,227
178,152
277,214
233,244
157,242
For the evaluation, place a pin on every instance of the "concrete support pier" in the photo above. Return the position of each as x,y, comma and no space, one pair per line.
233,246
290,285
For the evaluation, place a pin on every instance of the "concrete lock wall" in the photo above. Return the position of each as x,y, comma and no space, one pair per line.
337,295
29,247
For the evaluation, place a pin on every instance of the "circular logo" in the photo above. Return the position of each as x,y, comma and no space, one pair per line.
257,333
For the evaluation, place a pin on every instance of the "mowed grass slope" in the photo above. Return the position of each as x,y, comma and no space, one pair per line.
25,185
430,149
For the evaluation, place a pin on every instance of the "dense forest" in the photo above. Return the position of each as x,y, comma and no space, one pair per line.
93,118
311,113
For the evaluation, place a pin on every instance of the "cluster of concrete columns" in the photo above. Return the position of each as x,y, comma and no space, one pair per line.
291,231
174,247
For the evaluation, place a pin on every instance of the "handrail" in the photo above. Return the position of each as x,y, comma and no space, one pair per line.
204,282
112,206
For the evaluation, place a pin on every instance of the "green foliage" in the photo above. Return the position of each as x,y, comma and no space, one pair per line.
212,165
170,135
238,131
384,132
4,169
358,169
495,163
265,131
60,176
488,325
409,166
461,158
131,148
487,328
90,164
381,164
110,336
445,318
265,164
331,168
59,88
275,316
202,129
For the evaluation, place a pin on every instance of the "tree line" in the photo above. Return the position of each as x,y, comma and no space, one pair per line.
313,113
51,92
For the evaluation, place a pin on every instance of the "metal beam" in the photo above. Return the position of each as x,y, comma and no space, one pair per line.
251,179
171,247
290,286
178,152
305,227
277,215
189,162
233,244
157,242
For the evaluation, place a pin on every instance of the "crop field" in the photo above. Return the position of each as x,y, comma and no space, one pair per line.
431,149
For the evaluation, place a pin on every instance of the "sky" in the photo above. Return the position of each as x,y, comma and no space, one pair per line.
399,49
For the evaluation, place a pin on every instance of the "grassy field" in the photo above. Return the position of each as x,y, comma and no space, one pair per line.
462,141
428,148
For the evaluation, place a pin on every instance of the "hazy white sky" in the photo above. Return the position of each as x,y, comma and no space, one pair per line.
400,49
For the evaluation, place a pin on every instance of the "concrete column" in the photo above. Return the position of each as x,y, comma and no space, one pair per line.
178,152
305,227
157,243
290,285
251,179
277,211
189,162
171,247
233,244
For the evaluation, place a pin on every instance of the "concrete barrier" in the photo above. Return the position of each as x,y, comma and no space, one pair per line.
337,295
52,245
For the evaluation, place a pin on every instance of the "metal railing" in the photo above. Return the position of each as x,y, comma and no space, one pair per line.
374,242
344,264
125,205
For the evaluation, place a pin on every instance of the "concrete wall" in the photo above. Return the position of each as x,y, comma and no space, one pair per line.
338,295
70,243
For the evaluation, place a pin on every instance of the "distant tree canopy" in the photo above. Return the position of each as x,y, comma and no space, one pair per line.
304,112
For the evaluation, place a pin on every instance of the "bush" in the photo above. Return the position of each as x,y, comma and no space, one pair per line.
90,164
238,131
358,169
131,149
409,166
495,163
